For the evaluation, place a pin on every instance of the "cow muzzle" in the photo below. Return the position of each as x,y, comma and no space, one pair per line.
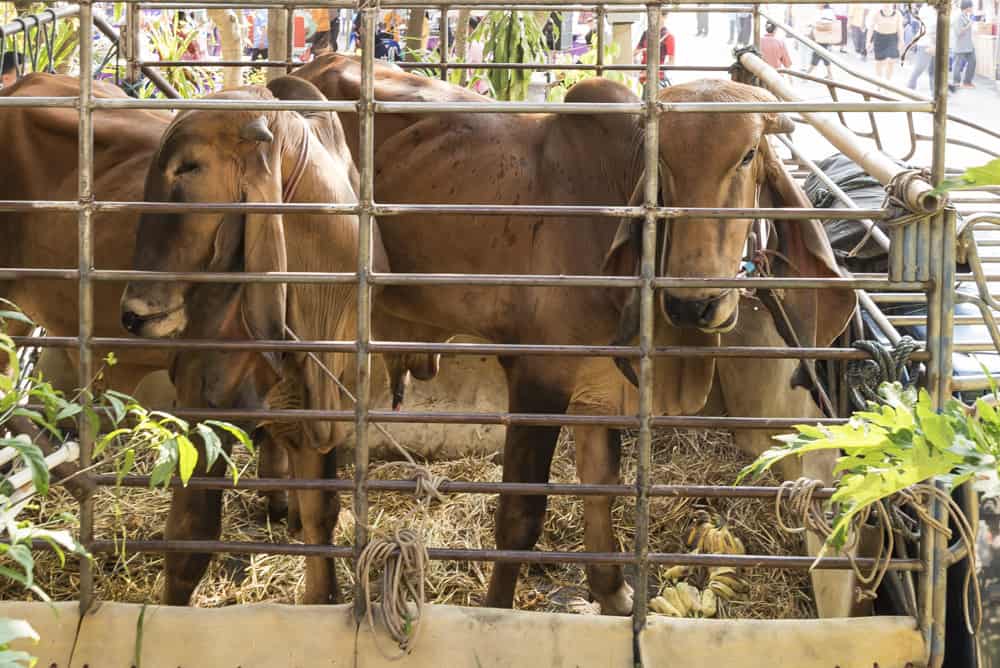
140,319
712,314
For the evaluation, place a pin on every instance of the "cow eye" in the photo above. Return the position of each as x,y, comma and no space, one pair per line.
186,167
748,158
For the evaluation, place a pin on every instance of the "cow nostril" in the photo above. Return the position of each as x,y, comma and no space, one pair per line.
707,311
131,321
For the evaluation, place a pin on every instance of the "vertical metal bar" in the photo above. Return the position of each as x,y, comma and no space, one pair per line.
443,43
756,26
133,15
940,315
290,40
366,117
647,271
601,13
909,238
85,197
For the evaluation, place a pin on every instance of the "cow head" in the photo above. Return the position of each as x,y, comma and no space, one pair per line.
213,156
707,160
722,160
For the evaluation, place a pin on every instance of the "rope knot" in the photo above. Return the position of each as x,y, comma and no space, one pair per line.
888,364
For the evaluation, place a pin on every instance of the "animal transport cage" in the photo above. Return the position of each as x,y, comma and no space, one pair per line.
921,269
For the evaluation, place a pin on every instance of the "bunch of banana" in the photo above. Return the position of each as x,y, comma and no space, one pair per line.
726,582
709,534
684,600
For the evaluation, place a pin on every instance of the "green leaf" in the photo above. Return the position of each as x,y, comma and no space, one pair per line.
213,446
234,431
974,177
15,659
21,554
103,442
68,411
33,458
16,629
117,407
124,466
188,457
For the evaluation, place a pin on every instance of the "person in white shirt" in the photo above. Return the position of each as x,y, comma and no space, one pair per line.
924,49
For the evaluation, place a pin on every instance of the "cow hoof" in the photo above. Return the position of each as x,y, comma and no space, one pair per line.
277,507
618,603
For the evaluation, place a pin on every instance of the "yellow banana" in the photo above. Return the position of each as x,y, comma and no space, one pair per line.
734,582
676,572
672,596
709,603
722,590
661,606
691,597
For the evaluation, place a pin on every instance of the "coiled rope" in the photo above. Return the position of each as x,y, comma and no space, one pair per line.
887,364
810,515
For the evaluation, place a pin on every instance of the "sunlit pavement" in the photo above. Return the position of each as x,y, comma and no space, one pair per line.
978,105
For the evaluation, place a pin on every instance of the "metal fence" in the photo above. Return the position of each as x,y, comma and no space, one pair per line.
924,264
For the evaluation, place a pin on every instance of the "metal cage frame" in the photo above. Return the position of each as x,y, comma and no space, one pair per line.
929,251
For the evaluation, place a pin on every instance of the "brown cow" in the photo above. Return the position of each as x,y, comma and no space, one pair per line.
41,163
548,159
410,146
212,156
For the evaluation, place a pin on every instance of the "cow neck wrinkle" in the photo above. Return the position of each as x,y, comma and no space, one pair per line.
292,185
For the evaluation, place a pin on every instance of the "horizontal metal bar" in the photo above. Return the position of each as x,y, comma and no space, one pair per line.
610,211
499,556
13,206
559,66
318,208
911,320
465,487
675,212
232,105
579,7
220,277
30,102
898,297
506,419
970,383
46,341
448,66
12,274
638,107
472,4
506,349
9,273
42,17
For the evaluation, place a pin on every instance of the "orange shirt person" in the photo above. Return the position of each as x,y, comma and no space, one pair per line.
773,48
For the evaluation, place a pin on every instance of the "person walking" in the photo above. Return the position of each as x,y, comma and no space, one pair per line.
824,32
702,23
667,51
885,39
259,23
773,48
963,47
859,32
925,47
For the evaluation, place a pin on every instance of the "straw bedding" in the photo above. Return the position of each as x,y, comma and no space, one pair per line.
463,520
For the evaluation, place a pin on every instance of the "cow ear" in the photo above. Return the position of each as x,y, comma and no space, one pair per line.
818,316
263,304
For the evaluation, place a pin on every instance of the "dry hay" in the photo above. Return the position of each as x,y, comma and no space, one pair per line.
462,521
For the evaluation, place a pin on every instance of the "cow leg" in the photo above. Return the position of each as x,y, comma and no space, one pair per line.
194,515
598,456
759,388
527,456
318,510
273,463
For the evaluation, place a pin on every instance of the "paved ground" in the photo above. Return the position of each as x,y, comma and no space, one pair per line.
978,105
